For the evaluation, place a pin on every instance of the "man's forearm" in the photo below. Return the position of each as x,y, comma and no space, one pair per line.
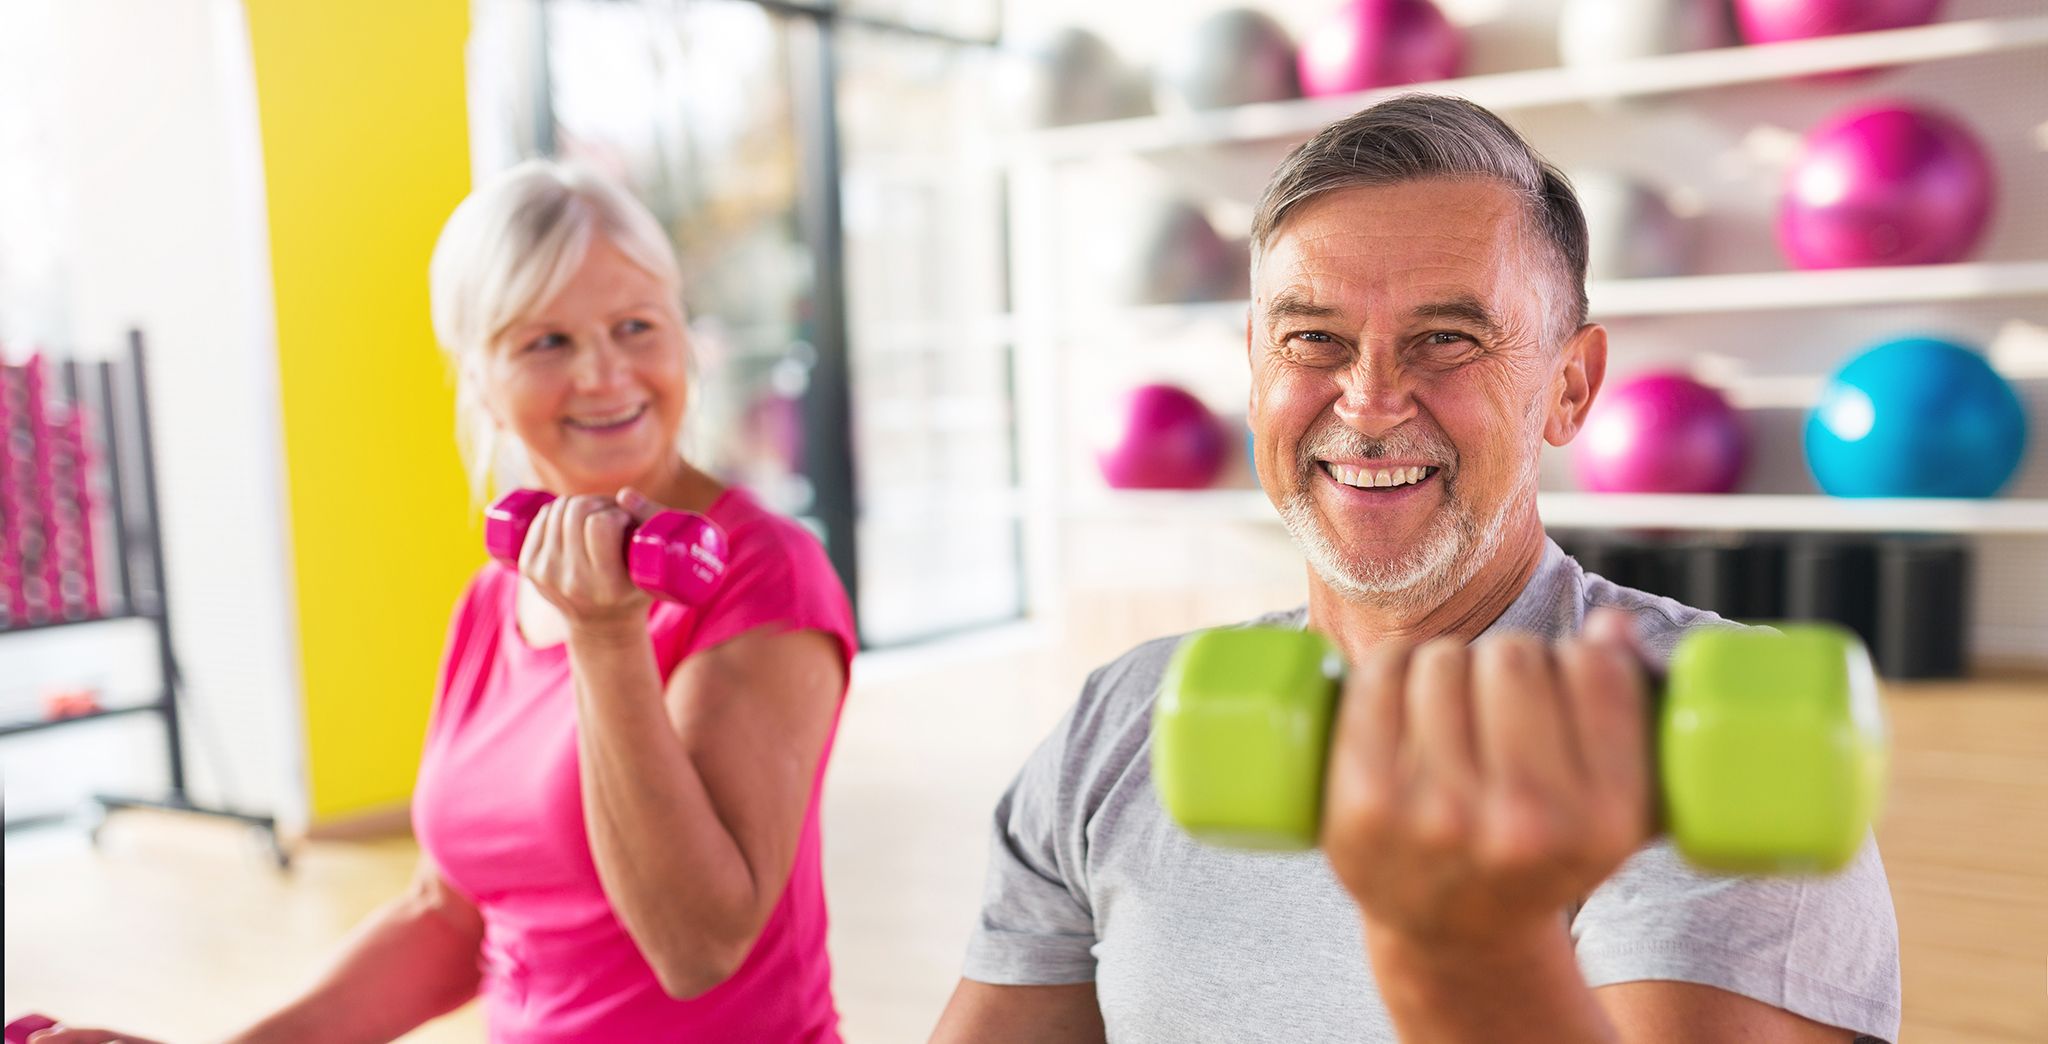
1521,987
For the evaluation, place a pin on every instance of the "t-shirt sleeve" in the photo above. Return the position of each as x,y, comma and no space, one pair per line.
1826,948
778,577
1036,928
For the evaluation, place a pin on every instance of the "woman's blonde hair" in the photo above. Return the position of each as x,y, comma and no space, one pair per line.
508,249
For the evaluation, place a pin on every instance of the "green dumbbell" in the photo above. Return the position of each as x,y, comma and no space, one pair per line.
1770,744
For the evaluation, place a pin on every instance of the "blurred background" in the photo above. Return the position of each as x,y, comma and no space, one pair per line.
967,281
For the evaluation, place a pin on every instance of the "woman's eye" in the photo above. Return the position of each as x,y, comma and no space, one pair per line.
547,341
634,326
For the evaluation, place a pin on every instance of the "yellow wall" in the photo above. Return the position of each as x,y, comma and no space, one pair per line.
365,152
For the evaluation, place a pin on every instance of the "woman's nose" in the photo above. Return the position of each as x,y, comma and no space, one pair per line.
599,364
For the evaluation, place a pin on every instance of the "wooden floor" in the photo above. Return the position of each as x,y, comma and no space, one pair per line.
1965,842
178,927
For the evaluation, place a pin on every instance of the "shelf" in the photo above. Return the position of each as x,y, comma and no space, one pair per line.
1501,92
55,624
1695,295
1746,512
924,336
1780,291
942,413
1168,505
1793,512
16,728
919,508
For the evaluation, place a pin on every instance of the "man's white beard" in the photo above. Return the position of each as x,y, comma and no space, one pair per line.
1424,575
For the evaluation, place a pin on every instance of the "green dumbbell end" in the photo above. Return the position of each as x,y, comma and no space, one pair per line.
1771,749
1241,735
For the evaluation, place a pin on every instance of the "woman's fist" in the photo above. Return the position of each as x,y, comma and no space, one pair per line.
575,556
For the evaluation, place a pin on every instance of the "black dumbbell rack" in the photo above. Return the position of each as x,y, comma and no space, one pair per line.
1906,595
114,397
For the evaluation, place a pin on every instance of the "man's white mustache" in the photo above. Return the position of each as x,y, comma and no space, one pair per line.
1340,443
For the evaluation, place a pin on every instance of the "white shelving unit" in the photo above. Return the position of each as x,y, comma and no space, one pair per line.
1840,288
1643,511
1043,324
1504,92
1680,295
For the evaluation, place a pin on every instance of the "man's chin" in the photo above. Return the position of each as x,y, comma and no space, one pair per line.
1392,555
1384,571
1389,578
1393,568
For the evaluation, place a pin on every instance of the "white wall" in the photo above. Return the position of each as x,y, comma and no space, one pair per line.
144,171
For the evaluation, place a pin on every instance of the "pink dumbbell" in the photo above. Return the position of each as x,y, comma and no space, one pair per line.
678,555
19,1029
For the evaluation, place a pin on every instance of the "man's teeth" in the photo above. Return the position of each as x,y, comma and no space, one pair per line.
607,420
1369,478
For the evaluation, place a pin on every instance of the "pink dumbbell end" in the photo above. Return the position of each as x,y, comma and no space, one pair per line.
19,1029
506,522
679,555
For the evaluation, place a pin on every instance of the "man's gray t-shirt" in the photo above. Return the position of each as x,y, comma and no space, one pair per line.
1090,881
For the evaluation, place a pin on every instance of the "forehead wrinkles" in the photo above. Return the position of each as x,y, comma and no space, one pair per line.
1343,246
1383,283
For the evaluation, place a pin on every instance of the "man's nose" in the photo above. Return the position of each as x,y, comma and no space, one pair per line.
1376,396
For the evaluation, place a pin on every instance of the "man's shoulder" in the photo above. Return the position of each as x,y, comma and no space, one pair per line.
1659,621
1118,695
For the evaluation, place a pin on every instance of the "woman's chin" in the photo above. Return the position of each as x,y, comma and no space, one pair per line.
593,481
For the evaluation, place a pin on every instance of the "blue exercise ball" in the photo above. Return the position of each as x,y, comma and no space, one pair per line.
1916,417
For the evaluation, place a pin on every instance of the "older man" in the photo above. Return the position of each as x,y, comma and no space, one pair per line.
1488,873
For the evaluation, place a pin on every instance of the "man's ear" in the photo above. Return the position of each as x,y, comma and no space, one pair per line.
1581,366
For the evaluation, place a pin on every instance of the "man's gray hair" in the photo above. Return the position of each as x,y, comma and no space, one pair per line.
1417,136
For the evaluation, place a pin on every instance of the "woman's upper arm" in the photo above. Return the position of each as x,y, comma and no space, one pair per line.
754,714
430,892
1684,1011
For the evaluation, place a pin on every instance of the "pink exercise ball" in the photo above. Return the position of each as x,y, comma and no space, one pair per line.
1379,43
1660,433
1161,437
1769,21
1886,184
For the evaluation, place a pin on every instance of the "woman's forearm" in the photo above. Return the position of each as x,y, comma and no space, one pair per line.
673,871
405,964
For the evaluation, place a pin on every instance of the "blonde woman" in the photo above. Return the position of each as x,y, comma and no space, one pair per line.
618,804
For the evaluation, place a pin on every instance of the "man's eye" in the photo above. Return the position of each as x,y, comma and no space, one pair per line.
1447,337
1311,336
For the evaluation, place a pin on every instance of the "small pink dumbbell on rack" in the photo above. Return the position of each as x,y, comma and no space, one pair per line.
19,1029
677,555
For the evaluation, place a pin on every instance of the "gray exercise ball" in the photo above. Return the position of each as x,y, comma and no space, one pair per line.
1631,232
1069,76
1233,57
1168,253
1596,32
